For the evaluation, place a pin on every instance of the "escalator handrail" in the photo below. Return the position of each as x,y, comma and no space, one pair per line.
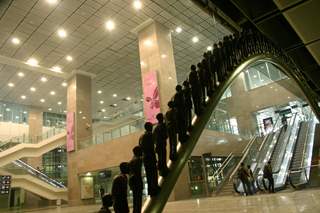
305,140
39,174
224,164
253,139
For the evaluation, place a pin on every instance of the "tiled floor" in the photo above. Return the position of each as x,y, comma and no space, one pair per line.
307,201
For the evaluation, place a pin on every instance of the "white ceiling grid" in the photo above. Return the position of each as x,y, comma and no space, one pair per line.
112,56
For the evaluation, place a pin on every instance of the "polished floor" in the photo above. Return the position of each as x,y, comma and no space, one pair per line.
285,202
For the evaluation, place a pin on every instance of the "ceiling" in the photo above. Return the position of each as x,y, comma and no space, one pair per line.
112,56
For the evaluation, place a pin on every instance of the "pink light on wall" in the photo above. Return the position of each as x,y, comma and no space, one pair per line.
70,131
151,102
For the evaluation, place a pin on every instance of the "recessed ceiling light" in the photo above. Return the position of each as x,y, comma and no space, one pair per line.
11,84
42,100
65,111
8,109
59,103
255,76
15,41
137,4
195,39
50,109
148,42
110,25
23,97
43,79
69,58
56,69
64,84
114,105
103,110
20,74
33,89
52,1
114,95
62,33
209,48
33,62
80,112
101,102
99,91
52,93
128,98
24,112
178,30
163,55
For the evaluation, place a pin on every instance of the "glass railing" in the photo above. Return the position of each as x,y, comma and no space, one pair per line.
30,140
113,133
18,167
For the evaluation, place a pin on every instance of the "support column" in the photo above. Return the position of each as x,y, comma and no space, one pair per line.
78,103
35,121
156,55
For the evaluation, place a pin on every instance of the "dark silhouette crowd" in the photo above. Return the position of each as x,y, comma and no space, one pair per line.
176,123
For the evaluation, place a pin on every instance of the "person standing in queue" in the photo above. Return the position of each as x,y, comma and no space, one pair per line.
267,173
120,189
149,160
171,121
135,181
180,105
188,101
195,90
244,178
203,82
160,136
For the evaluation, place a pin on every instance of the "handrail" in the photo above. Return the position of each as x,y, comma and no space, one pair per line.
243,157
224,164
305,140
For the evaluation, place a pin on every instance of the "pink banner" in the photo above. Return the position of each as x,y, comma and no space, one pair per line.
151,103
70,132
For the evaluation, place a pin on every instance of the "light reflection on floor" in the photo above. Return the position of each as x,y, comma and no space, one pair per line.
307,201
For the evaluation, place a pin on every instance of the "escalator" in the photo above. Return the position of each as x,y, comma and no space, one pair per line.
26,177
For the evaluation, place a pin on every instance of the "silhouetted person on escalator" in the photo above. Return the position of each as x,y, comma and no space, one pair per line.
171,121
195,89
149,159
216,65
188,102
160,137
180,105
120,189
267,173
284,122
135,181
208,79
202,80
244,178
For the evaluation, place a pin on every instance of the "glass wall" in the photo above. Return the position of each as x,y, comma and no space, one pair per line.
262,74
15,113
54,119
55,165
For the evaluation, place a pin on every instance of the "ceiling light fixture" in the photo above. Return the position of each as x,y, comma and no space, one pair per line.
11,84
43,79
195,39
33,89
42,100
62,33
23,97
128,98
64,84
15,41
56,69
137,4
148,43
33,62
103,110
101,102
50,109
52,93
209,48
21,74
59,103
178,30
52,1
99,91
163,56
69,58
110,25
114,95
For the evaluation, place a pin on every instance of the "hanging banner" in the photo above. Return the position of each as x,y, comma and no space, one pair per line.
70,132
151,102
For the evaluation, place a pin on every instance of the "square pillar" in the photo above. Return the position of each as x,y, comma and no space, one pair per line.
156,55
79,104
